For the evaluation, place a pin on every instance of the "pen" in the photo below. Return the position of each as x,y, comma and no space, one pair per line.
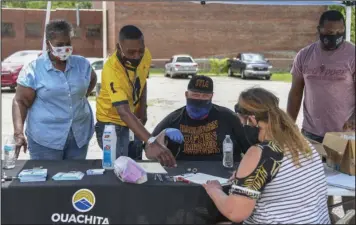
7,178
181,179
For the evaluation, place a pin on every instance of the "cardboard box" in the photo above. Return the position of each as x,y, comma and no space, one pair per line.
318,147
340,150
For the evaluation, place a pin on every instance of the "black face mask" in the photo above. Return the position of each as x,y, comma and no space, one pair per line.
127,61
332,42
251,134
132,62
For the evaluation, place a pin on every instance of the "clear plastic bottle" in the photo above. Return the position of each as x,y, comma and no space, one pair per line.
109,147
9,153
228,151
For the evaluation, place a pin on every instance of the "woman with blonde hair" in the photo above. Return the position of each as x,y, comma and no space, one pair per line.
282,179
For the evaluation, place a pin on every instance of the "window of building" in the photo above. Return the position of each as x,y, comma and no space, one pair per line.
93,31
7,30
33,30
77,32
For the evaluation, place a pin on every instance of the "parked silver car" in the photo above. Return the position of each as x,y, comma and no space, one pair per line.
181,65
97,65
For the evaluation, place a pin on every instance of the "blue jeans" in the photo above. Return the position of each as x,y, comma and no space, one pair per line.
124,147
312,136
70,151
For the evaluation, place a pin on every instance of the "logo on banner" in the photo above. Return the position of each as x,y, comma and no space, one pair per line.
83,201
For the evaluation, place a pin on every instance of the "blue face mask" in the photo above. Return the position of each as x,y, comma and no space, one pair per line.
198,109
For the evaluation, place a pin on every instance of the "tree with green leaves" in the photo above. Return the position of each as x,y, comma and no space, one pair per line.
43,4
343,11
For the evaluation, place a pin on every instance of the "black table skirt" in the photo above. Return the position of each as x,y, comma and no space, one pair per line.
153,202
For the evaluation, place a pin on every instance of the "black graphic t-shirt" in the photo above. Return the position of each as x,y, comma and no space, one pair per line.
203,139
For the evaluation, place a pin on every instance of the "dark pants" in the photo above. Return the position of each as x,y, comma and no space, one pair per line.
312,136
124,147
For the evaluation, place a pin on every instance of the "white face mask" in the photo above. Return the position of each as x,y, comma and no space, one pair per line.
62,53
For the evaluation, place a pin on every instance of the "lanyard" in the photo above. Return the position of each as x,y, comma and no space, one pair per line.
135,97
134,94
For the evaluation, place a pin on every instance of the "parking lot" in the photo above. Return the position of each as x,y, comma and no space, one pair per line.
164,96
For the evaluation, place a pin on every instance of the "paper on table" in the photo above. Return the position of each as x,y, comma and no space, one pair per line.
153,167
202,178
342,181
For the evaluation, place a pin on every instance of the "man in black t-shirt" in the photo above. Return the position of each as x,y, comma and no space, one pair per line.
197,130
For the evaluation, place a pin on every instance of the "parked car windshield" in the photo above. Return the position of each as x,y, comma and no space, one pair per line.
98,65
253,57
184,60
22,56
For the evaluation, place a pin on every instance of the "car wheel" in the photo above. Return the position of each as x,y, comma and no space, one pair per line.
229,72
243,75
171,74
13,88
166,74
268,77
193,75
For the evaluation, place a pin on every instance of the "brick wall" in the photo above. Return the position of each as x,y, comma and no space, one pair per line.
89,47
216,29
174,28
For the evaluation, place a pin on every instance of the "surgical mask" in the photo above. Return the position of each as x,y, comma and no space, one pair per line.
197,108
131,62
62,53
331,42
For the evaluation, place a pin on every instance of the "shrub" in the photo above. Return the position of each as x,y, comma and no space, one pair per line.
218,66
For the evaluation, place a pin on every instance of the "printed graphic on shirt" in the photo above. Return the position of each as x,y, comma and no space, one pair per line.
201,140
326,72
112,87
266,170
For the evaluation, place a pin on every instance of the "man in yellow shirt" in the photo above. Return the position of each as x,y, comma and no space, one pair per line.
123,96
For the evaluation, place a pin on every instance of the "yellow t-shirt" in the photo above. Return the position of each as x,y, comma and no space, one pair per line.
117,88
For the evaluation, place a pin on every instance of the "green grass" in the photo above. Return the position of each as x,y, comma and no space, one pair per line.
286,77
156,71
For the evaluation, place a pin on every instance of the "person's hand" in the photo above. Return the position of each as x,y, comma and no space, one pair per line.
161,153
247,120
212,185
175,135
241,118
20,141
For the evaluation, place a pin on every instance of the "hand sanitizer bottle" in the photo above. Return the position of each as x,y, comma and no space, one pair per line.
109,147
